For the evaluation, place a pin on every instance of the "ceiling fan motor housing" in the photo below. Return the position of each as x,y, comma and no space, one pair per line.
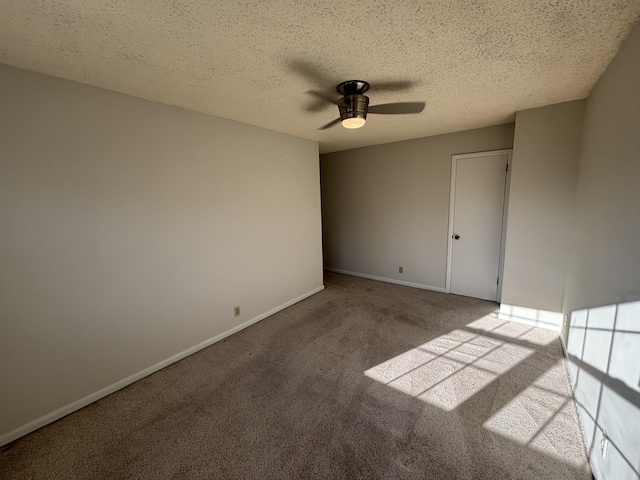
353,106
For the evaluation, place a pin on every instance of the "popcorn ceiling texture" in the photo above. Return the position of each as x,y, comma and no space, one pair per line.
475,63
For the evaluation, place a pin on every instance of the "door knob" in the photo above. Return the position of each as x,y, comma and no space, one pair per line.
456,237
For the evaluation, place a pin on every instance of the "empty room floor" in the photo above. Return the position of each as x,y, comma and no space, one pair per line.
362,380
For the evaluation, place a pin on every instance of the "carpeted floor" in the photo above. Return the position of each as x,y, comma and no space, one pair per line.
363,380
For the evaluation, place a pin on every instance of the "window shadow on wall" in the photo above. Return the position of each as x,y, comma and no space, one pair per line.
604,364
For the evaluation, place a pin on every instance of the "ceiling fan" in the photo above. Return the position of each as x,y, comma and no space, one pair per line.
354,105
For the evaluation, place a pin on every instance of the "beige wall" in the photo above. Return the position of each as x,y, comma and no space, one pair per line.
387,206
602,289
544,170
130,230
605,265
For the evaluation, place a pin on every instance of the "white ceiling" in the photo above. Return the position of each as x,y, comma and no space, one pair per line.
474,63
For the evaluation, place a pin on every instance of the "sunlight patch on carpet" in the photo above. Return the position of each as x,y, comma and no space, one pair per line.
540,416
450,369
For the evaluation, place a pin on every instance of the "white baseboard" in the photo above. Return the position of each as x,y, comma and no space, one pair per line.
83,402
531,316
387,280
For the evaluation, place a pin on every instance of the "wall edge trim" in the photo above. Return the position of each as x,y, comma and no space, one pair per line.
531,316
120,384
386,280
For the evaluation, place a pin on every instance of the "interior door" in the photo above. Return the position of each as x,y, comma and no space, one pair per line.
478,193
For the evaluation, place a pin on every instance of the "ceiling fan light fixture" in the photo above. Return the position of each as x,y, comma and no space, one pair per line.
353,122
353,110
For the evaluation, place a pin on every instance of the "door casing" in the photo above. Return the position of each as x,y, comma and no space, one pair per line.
452,193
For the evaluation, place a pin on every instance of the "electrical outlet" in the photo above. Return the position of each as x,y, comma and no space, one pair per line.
236,311
604,444
566,319
400,269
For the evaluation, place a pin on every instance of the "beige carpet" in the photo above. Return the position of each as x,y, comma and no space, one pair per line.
363,380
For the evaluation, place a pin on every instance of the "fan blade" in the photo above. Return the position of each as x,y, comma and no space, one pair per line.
317,106
325,96
397,108
330,124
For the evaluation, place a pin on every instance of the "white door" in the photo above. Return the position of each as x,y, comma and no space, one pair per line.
476,220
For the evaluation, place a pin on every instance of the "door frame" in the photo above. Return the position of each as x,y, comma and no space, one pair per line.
452,196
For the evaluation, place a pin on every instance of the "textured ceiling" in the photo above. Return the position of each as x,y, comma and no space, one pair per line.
474,63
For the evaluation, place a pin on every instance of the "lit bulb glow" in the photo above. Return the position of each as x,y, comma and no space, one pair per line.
355,122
